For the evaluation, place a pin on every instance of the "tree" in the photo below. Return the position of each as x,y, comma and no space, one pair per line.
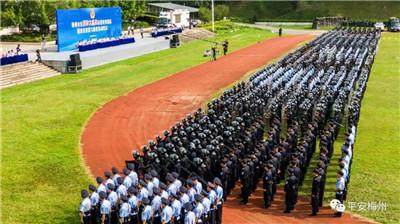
8,15
221,11
204,14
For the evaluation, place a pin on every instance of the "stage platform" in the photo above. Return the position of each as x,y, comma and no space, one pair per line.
107,55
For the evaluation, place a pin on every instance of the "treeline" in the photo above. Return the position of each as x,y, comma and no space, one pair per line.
42,13
251,11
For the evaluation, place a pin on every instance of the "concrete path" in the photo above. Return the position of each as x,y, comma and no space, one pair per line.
111,54
285,31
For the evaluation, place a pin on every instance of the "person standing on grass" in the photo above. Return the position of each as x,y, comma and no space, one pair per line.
340,188
214,53
225,46
85,207
94,200
280,31
315,192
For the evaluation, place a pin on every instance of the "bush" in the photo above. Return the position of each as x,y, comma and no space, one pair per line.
148,18
204,14
27,37
221,26
138,24
221,11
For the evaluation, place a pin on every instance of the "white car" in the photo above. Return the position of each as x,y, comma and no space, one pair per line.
379,26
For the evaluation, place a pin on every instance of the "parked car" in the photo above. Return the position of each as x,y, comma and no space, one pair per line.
195,22
379,26
393,24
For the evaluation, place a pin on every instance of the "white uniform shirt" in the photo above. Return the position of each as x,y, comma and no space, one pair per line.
85,205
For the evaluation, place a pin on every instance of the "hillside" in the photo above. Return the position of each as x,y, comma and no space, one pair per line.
307,11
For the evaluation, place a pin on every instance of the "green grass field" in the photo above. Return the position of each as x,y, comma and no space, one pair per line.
42,168
376,166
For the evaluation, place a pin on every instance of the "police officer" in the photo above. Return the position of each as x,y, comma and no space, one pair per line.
124,210
340,187
105,208
245,182
156,207
94,200
267,184
190,217
146,211
85,208
212,195
198,208
315,192
207,207
133,202
176,206
166,213
113,198
291,191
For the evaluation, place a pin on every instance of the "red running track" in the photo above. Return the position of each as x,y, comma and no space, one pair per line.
129,121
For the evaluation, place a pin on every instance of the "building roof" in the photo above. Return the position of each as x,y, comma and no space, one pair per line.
173,6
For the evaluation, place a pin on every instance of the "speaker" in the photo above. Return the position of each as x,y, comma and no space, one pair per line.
174,41
75,60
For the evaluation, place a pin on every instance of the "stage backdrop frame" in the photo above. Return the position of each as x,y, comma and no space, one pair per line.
74,25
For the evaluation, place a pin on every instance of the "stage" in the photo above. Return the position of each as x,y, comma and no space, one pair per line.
107,55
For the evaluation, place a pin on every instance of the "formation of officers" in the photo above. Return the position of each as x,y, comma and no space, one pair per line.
130,199
265,129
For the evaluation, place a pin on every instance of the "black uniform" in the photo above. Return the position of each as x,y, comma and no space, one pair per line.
268,182
225,46
291,191
214,53
315,193
246,188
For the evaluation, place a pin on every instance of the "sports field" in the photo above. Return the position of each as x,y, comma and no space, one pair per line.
42,170
375,167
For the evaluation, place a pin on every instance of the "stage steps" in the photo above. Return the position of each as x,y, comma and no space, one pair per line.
24,72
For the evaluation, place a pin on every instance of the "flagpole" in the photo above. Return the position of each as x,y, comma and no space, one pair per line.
212,14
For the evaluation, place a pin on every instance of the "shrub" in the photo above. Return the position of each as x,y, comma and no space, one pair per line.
221,11
204,14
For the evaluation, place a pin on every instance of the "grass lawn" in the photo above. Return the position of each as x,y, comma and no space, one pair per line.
376,168
42,169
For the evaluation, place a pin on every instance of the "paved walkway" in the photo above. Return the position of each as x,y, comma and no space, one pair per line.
285,31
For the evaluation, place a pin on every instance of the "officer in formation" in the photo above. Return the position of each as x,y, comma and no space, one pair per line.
186,174
315,192
164,205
